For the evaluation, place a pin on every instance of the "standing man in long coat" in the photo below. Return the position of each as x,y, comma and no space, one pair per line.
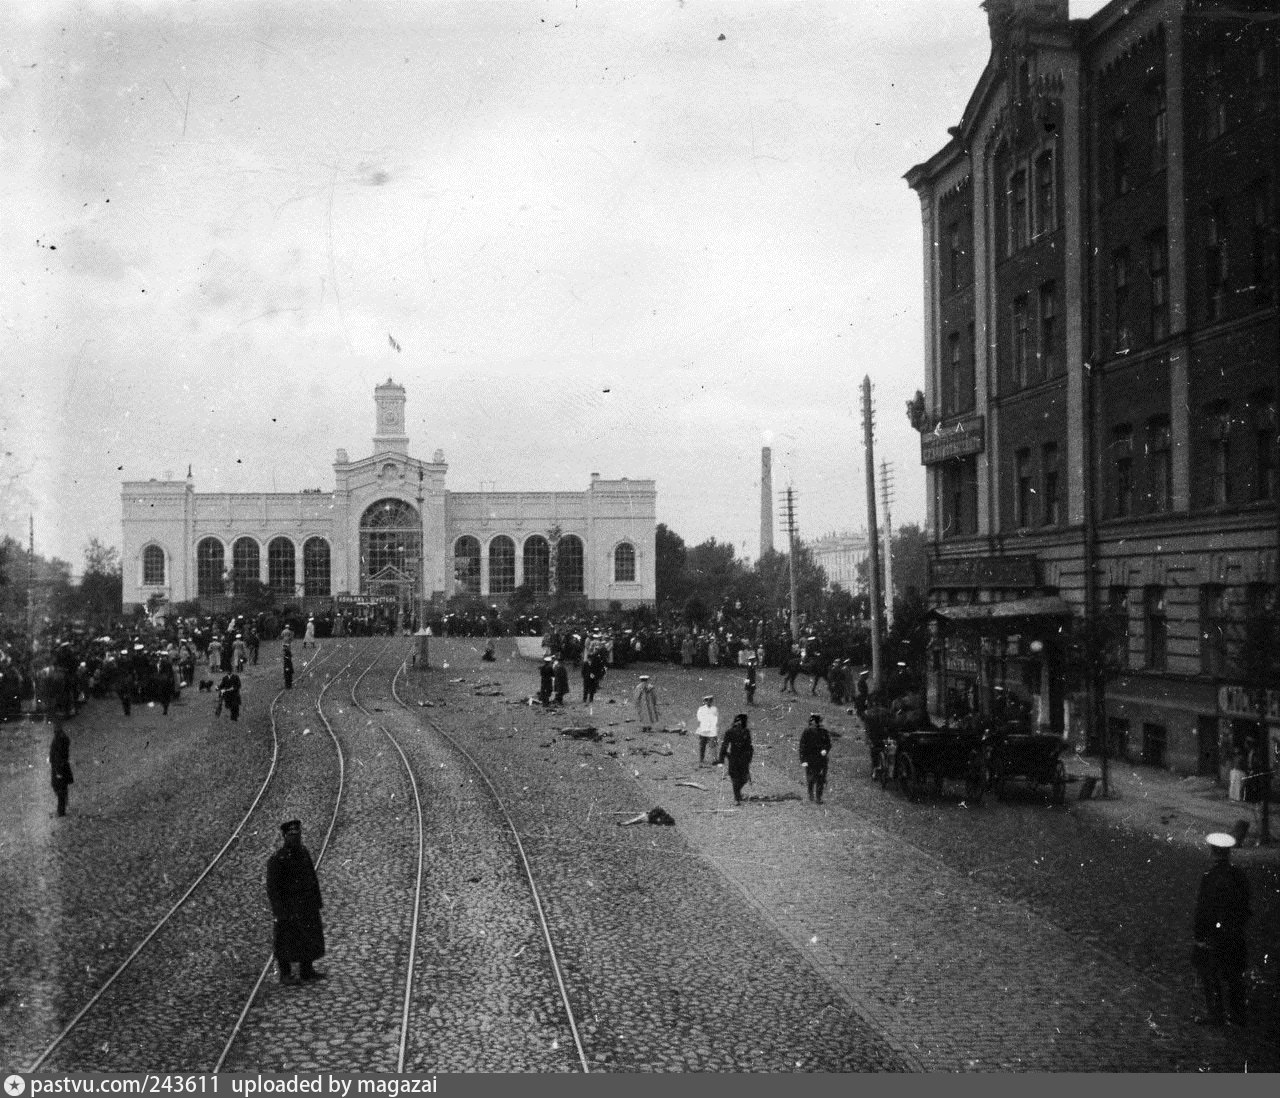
1221,919
286,656
229,695
736,747
815,747
294,892
60,776
646,699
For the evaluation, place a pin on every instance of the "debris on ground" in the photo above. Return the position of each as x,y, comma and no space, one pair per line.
665,749
769,798
655,815
693,785
586,732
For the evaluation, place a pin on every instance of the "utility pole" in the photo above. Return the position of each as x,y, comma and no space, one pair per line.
886,499
31,606
792,542
873,533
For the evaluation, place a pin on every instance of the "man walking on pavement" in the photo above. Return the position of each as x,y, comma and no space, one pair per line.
294,892
60,776
229,695
286,655
646,699
708,728
815,747
1221,919
738,750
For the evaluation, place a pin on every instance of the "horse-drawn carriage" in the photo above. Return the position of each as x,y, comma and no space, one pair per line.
1031,756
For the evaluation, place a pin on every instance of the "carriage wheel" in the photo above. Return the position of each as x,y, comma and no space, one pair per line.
908,777
975,782
1060,783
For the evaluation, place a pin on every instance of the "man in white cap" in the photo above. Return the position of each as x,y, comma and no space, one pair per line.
1221,919
646,699
708,729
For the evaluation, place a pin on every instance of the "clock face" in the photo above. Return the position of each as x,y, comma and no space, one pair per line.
388,417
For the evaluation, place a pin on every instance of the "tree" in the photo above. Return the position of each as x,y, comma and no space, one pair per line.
669,566
101,590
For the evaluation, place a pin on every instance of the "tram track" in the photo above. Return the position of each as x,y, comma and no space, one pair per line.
119,1026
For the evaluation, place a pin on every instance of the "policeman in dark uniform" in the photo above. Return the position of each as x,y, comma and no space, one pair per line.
229,695
60,776
737,749
1221,918
815,747
294,892
286,656
546,681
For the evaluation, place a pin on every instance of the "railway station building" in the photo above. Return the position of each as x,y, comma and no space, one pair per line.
1102,361
390,529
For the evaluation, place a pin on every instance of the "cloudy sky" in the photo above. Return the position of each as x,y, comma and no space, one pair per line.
634,238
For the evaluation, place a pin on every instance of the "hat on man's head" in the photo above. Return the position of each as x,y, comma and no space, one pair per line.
644,677
815,717
708,697
291,827
1220,840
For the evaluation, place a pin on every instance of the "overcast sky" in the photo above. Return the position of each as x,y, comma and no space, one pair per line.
634,238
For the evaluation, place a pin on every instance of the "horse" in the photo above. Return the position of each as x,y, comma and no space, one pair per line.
816,667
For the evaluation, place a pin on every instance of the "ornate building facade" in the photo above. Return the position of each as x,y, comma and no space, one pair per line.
1098,422
390,530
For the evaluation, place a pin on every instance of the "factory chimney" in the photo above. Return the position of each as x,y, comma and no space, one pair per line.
766,501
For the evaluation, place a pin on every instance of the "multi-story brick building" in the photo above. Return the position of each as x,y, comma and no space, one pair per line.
1098,418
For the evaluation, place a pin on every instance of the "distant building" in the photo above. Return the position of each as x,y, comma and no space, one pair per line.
389,529
841,555
1102,337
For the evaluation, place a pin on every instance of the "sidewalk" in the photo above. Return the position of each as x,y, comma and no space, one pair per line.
1170,807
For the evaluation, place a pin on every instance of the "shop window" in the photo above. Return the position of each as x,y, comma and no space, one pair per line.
1156,628
153,566
624,563
1118,737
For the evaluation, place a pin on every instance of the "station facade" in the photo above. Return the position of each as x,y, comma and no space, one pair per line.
1098,417
389,529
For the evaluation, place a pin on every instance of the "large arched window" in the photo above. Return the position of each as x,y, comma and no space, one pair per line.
153,566
537,564
569,565
390,536
624,563
502,565
466,564
281,574
209,566
244,564
315,567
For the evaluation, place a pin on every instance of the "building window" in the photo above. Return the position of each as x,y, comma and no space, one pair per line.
1262,241
1050,493
1259,617
466,565
1262,407
967,400
153,566
1020,341
1215,264
502,565
1048,328
1159,463
624,563
955,255
244,565
954,375
1118,622
1214,628
570,565
1158,271
210,558
1218,420
1122,466
1215,98
537,565
1156,627
1046,194
959,487
390,537
1120,180
1159,124
1018,211
1120,299
280,567
1024,490
315,568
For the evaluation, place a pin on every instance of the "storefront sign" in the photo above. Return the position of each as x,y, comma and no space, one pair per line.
968,436
364,600
1007,571
1242,701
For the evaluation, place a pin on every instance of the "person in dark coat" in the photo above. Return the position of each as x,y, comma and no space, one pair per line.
60,776
749,683
560,676
790,669
229,695
294,892
736,748
546,681
815,748
286,656
1220,922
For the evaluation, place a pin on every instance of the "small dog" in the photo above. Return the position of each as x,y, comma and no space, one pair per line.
206,686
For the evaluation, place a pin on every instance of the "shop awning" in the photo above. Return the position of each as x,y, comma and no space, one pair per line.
975,613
